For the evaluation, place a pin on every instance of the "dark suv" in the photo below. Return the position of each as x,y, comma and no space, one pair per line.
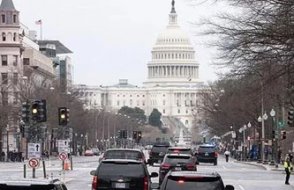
157,153
32,184
177,162
122,174
189,180
207,153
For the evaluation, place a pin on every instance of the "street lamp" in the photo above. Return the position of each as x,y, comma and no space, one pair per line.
7,142
262,119
273,114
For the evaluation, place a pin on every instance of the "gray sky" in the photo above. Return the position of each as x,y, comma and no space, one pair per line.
112,39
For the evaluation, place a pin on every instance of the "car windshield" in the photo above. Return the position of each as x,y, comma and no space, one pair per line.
123,154
177,159
206,149
121,169
159,149
192,184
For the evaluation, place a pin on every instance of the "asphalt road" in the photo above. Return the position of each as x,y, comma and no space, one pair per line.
242,176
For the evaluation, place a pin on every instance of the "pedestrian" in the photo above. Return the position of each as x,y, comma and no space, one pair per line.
288,168
227,154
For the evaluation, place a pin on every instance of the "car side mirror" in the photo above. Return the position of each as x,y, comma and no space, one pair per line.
148,161
229,187
154,174
93,172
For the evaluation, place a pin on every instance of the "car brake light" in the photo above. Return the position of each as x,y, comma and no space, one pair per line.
146,183
181,181
95,183
215,154
176,151
165,166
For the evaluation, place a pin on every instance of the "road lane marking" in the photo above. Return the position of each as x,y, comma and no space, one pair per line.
241,187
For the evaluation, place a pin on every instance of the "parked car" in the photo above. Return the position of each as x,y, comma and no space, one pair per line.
96,151
123,153
32,184
178,162
157,153
190,180
89,153
122,174
207,153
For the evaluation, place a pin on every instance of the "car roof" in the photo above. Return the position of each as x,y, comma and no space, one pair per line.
124,149
207,145
194,174
121,161
29,181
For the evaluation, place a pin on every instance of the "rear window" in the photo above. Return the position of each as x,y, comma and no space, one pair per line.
24,187
176,183
206,149
159,149
177,159
121,169
180,151
123,154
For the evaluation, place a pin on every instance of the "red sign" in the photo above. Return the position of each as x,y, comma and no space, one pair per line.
34,162
62,156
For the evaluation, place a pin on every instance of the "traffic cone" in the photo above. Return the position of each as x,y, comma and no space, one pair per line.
66,165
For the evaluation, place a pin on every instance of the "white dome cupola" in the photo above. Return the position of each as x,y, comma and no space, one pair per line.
173,57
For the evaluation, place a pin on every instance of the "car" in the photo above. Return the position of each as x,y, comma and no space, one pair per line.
190,180
157,153
179,162
207,153
32,184
122,174
124,153
89,153
96,151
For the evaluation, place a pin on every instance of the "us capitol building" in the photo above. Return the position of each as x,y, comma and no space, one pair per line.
171,86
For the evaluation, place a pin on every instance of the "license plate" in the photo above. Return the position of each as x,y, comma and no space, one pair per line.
206,154
120,185
178,168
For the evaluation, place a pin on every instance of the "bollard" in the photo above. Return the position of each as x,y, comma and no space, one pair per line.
62,163
71,166
24,171
44,169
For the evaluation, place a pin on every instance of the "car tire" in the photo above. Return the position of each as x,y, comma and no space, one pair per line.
215,162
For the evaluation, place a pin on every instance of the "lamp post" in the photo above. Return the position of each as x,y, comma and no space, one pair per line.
273,114
7,142
262,119
248,138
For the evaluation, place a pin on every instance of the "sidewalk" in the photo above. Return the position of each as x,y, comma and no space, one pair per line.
267,167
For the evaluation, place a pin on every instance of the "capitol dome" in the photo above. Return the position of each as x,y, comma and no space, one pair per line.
173,57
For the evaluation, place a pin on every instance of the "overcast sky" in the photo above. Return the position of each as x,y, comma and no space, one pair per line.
112,39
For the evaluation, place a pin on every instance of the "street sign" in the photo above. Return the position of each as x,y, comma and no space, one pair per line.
63,146
34,163
281,124
34,150
62,156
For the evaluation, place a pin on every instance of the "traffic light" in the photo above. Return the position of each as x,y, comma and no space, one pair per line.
39,111
119,134
25,112
291,116
62,116
135,135
139,136
34,110
124,134
284,134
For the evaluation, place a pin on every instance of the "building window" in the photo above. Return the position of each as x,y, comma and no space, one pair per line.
117,103
138,103
131,102
14,18
26,61
143,103
3,18
14,37
15,78
4,60
118,95
15,59
163,111
187,111
186,122
179,111
4,77
3,36
163,102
